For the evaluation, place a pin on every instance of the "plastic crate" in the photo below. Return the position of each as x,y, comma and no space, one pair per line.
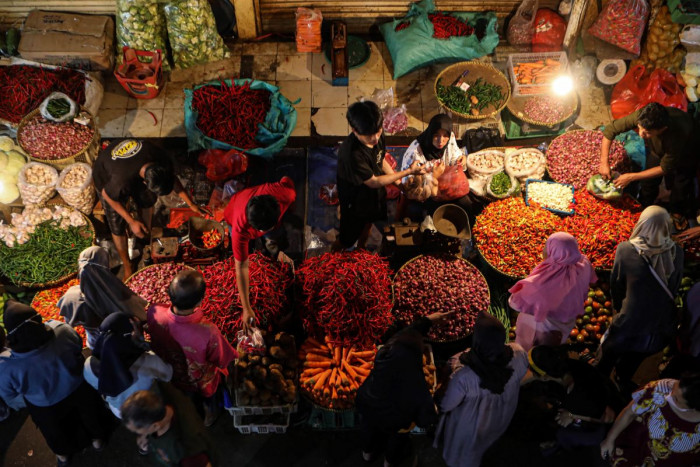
261,424
326,419
533,89
259,410
555,211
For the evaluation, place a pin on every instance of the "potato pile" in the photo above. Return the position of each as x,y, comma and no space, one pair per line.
37,183
662,47
270,380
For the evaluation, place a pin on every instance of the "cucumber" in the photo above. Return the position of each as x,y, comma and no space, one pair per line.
12,39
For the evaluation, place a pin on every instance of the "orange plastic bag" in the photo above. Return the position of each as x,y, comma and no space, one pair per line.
452,184
309,30
222,164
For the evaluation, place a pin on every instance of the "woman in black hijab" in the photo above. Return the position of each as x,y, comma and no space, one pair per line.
44,366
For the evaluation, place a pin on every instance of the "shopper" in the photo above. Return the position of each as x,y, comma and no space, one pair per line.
253,213
121,363
672,139
45,367
99,294
659,427
395,397
362,175
190,342
170,431
645,278
481,396
133,169
550,298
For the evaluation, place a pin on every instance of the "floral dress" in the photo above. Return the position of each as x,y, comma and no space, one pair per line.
657,436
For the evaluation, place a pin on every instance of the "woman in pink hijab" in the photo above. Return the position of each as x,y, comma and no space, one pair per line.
550,298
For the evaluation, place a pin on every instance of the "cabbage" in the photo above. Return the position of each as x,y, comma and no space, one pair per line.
6,143
3,160
8,189
603,189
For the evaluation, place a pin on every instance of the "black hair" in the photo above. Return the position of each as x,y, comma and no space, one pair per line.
550,359
690,387
263,212
3,338
187,289
142,409
653,116
365,118
160,178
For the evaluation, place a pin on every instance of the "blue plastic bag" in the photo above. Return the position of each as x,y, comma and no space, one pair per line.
634,145
272,134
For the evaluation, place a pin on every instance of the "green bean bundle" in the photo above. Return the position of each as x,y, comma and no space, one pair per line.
480,95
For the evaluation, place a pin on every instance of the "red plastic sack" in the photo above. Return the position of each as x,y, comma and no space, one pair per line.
550,29
621,23
522,26
635,90
222,165
452,184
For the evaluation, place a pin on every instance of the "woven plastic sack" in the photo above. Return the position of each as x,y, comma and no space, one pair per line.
415,47
621,23
141,26
272,135
519,171
514,187
521,28
478,171
308,34
78,192
192,33
34,190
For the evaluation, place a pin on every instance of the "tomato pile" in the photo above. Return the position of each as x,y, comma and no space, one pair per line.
596,316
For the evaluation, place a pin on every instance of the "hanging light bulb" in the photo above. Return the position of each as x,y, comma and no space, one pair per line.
562,85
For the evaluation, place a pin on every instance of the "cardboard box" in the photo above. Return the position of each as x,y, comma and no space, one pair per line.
77,41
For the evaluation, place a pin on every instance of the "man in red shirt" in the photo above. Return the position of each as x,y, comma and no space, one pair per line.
252,213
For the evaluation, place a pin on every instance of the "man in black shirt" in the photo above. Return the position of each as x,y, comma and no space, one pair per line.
362,175
132,169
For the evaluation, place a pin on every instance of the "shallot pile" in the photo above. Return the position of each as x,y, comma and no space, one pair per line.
575,156
151,283
545,109
47,140
346,297
441,283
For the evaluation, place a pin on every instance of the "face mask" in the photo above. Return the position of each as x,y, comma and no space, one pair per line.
673,404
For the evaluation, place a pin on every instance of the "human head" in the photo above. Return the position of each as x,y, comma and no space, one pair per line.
160,178
688,388
143,412
93,255
366,120
489,337
562,248
263,212
117,351
653,227
547,361
187,289
24,327
652,120
440,130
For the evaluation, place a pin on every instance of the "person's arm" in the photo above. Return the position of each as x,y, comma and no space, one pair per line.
690,234
623,420
613,129
389,171
625,179
183,195
243,285
137,227
389,178
454,395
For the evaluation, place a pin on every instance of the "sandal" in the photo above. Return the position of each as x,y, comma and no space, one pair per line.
680,223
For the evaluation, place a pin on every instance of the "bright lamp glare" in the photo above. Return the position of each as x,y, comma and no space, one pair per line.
562,85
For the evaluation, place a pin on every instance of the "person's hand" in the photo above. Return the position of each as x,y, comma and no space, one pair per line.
247,319
142,442
200,210
138,228
283,258
462,160
609,415
623,180
416,168
564,418
690,234
606,448
136,331
604,170
439,317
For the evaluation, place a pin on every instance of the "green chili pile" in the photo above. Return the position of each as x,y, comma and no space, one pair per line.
500,184
480,95
50,254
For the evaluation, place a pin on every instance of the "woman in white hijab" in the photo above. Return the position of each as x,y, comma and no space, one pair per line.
645,278
99,294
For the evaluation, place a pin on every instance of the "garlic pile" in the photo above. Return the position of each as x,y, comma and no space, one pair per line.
691,78
37,183
23,225
76,188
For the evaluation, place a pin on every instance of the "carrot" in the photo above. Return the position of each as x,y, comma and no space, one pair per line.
336,355
333,377
312,372
361,371
349,370
313,357
322,379
345,353
364,354
326,364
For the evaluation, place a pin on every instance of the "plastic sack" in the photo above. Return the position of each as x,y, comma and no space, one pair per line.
483,164
395,119
36,183
415,47
513,190
272,135
141,26
192,33
45,108
525,163
76,188
635,90
251,342
222,165
621,23
603,189
550,29
452,184
308,33
382,97
521,28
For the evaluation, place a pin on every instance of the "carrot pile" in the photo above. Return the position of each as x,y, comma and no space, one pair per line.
539,72
331,375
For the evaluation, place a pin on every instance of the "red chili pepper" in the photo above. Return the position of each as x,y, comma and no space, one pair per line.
45,303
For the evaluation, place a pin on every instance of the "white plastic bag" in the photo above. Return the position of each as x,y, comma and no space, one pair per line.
525,163
57,96
251,342
382,97
37,183
76,188
482,164
522,26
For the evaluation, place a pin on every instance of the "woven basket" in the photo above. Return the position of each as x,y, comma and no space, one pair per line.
446,341
87,154
516,106
549,172
496,270
476,70
150,267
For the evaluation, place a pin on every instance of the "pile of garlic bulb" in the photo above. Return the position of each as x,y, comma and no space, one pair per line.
23,225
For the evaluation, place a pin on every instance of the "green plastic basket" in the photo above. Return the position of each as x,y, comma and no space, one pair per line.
358,52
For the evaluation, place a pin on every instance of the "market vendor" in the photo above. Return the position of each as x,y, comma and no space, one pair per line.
253,213
363,174
133,169
672,139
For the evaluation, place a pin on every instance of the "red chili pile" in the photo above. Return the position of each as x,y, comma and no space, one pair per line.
574,157
151,283
45,303
446,26
545,109
441,283
346,296
269,283
48,140
23,88
211,238
231,113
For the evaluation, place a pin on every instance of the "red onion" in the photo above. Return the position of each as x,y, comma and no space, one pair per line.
152,283
47,140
